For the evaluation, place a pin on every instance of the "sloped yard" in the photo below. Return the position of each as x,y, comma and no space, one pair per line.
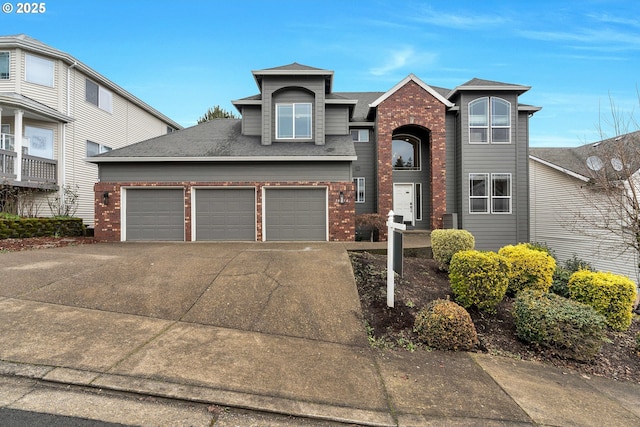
423,282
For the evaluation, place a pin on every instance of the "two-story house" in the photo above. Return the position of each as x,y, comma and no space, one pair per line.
55,112
304,160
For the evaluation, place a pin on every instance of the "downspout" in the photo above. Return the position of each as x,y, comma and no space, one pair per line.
62,161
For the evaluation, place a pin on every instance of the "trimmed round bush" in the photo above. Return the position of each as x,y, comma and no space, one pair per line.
445,243
530,268
611,295
444,325
567,327
479,278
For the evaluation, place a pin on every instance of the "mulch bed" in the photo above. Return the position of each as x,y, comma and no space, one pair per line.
423,282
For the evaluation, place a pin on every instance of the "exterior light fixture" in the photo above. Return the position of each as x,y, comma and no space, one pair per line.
341,198
105,198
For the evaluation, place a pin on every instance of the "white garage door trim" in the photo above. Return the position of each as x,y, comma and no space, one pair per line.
123,207
265,191
194,207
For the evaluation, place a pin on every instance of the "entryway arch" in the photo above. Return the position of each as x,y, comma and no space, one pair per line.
411,172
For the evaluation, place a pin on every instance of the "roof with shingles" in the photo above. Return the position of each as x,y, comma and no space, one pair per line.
612,154
222,139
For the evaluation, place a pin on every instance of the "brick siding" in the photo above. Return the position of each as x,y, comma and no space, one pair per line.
412,105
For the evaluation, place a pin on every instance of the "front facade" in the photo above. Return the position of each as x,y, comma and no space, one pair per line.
304,162
54,113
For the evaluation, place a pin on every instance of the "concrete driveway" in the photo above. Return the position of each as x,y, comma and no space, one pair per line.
300,290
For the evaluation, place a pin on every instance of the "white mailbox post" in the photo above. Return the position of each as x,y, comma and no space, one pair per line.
391,227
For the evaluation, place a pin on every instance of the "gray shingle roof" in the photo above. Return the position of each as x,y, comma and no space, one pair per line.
294,67
221,139
610,154
361,109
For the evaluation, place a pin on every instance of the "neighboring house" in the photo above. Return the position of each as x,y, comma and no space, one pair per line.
304,160
570,209
55,112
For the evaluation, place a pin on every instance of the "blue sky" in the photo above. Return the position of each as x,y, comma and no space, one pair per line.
183,57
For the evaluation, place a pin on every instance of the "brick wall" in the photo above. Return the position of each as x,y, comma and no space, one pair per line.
412,105
341,216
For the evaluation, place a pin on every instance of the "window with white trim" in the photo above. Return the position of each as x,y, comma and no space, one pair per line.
93,148
98,96
490,121
4,65
360,189
38,70
293,121
500,193
490,193
478,193
360,135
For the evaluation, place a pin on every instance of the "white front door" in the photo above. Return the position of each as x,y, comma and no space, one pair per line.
403,198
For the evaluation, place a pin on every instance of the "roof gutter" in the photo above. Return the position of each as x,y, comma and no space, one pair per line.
113,159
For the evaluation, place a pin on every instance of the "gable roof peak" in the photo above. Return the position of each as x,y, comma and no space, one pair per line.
294,66
412,77
294,69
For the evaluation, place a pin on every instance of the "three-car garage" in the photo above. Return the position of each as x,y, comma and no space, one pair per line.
226,213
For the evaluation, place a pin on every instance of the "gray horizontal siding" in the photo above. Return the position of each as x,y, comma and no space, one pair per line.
251,120
492,231
226,172
337,120
365,167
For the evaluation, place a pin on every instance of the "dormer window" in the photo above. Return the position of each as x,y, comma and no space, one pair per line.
293,121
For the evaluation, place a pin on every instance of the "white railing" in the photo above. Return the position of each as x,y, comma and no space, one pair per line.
7,142
34,169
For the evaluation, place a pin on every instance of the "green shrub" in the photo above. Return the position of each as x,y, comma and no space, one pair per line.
445,243
41,227
560,280
609,294
567,327
562,275
444,325
530,268
479,278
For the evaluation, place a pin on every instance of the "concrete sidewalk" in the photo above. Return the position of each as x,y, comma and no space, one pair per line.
270,327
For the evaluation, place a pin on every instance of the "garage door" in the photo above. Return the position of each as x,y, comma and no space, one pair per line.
225,214
156,214
296,214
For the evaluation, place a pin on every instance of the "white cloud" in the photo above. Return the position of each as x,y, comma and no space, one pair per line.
458,20
595,39
396,60
403,58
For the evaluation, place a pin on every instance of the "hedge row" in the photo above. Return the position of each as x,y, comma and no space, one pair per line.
41,227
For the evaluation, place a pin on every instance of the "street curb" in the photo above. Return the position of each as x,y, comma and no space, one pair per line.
197,394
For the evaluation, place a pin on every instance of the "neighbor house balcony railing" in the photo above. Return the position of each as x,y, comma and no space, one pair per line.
34,169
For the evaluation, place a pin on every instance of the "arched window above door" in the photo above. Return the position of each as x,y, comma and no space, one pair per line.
406,152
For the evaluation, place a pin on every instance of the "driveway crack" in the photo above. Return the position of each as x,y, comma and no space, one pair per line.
204,291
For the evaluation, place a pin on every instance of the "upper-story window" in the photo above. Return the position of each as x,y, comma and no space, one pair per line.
99,96
293,121
360,135
38,70
490,121
93,148
406,152
4,65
